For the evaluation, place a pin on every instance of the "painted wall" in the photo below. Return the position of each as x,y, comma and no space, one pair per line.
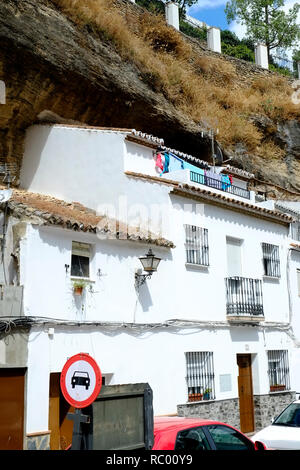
87,166
135,355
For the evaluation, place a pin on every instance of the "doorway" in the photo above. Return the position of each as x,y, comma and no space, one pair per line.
245,393
60,426
12,383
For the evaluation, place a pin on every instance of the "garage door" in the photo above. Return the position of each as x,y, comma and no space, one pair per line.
12,383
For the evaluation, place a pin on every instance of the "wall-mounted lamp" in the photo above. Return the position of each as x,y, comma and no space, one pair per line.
150,263
67,268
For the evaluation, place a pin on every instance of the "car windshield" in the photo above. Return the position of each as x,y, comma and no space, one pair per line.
290,416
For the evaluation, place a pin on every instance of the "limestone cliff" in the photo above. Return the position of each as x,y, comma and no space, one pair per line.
58,69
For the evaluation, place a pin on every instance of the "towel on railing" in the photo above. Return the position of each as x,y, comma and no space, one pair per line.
225,182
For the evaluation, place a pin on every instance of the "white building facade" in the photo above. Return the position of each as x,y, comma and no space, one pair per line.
211,331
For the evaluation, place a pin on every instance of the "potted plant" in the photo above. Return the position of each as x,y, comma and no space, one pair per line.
78,287
206,395
277,388
195,396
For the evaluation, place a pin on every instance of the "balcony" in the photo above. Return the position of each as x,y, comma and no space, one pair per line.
244,299
218,184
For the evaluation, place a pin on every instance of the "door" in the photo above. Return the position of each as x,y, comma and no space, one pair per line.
245,393
12,383
60,426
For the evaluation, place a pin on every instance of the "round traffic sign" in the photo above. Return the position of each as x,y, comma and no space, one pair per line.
80,380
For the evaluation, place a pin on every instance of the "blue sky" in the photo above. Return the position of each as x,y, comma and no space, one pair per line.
212,13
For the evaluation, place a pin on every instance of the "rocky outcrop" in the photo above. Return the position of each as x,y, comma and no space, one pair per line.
57,71
48,63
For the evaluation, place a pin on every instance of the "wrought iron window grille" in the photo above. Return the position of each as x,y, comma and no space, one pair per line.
200,376
278,370
197,250
271,260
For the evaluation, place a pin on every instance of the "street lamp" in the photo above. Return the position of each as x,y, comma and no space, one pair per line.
150,263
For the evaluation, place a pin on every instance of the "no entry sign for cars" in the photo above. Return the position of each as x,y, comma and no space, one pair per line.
80,380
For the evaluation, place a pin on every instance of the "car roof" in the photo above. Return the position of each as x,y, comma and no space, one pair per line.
172,423
166,429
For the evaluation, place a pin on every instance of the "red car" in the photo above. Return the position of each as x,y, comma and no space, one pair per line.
193,434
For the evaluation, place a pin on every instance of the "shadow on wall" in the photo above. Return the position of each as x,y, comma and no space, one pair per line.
34,147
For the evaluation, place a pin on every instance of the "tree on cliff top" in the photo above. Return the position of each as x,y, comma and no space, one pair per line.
266,21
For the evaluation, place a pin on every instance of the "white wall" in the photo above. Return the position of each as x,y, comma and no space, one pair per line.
87,166
175,291
144,355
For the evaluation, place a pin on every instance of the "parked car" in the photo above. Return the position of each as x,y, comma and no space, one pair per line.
193,434
284,432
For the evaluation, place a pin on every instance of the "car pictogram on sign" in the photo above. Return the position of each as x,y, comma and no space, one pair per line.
80,378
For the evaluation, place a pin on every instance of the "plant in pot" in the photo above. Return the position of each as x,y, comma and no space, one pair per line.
78,287
207,394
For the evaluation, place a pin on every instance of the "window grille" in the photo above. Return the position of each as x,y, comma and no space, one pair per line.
295,231
197,251
278,370
200,376
271,260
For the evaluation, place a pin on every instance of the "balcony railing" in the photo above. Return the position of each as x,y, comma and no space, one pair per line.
217,184
244,297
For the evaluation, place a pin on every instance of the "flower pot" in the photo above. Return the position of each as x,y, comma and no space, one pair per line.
277,388
78,290
195,397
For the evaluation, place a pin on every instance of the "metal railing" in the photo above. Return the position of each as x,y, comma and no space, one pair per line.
244,296
200,375
220,185
278,370
196,245
271,260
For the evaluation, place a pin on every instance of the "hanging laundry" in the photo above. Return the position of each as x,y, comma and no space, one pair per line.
231,180
166,163
159,163
225,182
214,180
175,163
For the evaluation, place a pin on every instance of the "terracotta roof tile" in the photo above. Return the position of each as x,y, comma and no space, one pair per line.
187,190
48,210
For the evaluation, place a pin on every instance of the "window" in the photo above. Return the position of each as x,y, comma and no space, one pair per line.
298,281
80,263
191,439
278,370
295,231
226,438
271,260
234,256
200,376
196,245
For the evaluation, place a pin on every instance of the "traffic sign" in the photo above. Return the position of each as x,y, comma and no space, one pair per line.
81,380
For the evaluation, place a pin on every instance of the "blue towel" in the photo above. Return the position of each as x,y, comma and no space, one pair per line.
226,183
175,163
166,164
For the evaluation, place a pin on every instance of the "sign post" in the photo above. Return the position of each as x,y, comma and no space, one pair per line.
80,382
